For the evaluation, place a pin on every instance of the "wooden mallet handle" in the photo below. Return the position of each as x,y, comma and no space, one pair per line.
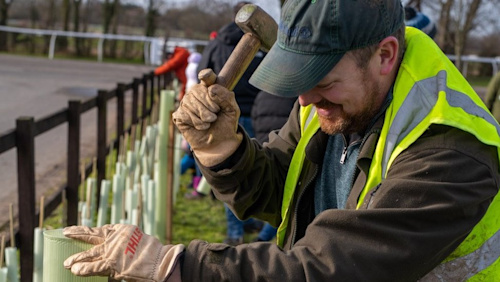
260,32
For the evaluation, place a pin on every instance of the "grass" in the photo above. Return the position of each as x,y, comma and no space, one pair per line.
192,219
197,219
481,81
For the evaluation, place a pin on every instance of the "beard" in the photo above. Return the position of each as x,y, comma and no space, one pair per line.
348,123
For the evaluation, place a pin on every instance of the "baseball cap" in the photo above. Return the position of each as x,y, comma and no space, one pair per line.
313,35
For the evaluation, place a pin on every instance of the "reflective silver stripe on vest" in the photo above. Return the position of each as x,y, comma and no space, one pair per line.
465,102
417,105
310,117
465,267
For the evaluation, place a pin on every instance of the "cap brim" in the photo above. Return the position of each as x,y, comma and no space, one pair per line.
289,74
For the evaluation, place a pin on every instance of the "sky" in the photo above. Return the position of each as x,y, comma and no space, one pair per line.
272,7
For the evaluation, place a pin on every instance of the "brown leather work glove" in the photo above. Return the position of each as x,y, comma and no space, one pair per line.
208,119
122,251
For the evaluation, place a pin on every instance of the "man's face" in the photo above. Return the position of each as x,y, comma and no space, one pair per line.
347,98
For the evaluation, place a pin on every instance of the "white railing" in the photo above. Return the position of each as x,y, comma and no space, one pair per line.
466,59
153,47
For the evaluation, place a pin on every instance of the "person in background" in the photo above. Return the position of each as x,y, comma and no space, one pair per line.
419,20
214,57
188,162
386,170
188,159
192,69
177,61
213,35
492,96
269,113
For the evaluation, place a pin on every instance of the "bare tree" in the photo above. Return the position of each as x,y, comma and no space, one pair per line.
47,20
108,13
151,18
50,15
66,12
4,16
467,10
457,18
443,35
76,26
114,27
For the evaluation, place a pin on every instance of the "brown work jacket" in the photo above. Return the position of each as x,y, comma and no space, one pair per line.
434,193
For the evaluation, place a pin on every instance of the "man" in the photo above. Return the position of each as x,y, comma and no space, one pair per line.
389,161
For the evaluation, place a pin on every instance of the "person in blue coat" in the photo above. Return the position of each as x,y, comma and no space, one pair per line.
419,20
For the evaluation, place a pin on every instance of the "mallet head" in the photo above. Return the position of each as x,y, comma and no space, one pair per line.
252,19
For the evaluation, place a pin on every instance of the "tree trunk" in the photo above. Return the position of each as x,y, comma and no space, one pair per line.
4,14
66,12
151,19
108,16
463,33
113,43
33,20
443,24
87,43
76,27
49,23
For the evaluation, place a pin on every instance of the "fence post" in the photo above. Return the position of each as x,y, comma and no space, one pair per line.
74,111
166,79
135,99
101,138
120,107
151,92
144,96
25,140
158,84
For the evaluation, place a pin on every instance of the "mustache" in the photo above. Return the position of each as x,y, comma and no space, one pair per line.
324,104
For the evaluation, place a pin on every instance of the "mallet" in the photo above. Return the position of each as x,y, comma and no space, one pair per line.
260,32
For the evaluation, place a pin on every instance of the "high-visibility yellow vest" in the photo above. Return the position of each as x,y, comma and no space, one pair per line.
428,90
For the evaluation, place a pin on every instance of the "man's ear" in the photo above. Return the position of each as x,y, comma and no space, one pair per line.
388,54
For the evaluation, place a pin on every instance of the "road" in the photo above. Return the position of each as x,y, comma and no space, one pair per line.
38,87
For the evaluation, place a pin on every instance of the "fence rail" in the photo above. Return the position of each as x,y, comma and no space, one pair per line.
466,59
153,46
27,129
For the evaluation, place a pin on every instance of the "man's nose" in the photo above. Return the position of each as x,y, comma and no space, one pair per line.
309,97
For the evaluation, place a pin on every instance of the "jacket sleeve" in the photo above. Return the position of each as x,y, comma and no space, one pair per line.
418,215
245,198
178,59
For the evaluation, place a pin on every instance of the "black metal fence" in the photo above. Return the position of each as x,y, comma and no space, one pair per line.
143,90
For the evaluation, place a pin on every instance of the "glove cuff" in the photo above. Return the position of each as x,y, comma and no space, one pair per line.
216,154
169,258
